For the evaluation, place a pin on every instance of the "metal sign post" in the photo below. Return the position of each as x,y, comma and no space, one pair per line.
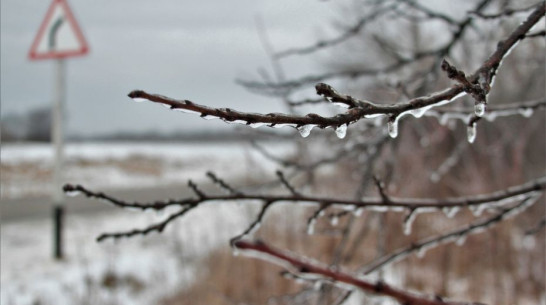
59,37
57,136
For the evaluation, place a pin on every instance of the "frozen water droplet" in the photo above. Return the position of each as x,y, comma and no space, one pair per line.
529,242
305,130
471,133
311,226
408,221
358,211
444,118
450,212
421,252
139,99
341,131
334,220
526,112
477,210
392,127
235,251
435,177
479,109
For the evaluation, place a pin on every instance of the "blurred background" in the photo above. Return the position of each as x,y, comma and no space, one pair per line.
220,54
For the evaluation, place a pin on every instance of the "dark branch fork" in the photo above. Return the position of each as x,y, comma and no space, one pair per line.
359,109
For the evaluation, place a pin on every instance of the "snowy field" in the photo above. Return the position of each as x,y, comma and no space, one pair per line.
135,271
27,168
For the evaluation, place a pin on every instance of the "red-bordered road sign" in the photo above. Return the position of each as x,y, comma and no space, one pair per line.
59,35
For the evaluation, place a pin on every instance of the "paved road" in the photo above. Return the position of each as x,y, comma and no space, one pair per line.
29,208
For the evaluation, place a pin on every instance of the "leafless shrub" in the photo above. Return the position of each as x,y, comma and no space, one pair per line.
429,169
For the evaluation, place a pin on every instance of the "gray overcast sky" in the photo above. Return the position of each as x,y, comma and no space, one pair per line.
183,49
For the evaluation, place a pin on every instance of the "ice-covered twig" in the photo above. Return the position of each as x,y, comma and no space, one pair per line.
452,236
158,227
537,185
307,267
156,205
507,195
358,109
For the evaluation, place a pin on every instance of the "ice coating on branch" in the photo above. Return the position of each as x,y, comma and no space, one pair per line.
305,130
471,133
183,110
256,125
461,240
451,212
341,131
526,112
419,112
72,193
477,210
138,99
392,127
280,125
479,109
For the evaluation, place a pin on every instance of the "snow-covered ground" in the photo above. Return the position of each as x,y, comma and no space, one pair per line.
27,168
141,270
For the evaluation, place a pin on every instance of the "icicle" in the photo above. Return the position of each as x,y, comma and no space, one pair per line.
358,211
477,210
444,118
421,252
479,109
305,130
471,133
311,226
341,131
234,251
526,112
450,212
408,221
334,220
392,127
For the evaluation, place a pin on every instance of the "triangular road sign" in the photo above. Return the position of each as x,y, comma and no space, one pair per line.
59,35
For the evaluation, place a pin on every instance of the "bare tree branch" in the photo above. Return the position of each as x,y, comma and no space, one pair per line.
306,267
